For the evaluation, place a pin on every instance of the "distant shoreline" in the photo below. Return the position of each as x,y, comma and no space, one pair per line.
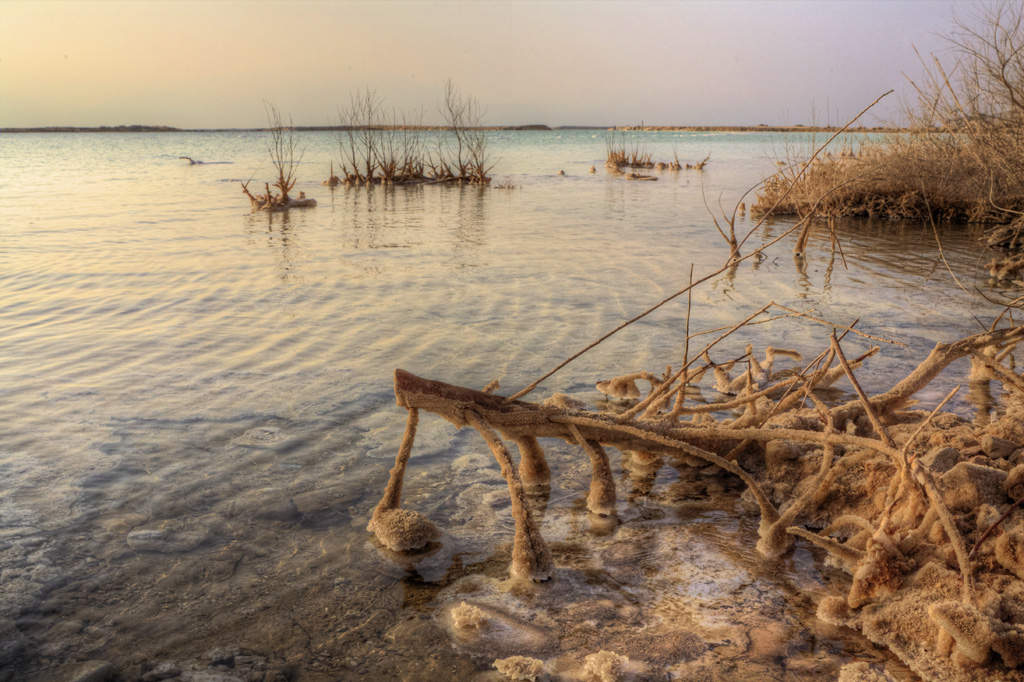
535,127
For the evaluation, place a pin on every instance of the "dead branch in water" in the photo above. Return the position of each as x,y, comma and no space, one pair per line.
285,155
382,147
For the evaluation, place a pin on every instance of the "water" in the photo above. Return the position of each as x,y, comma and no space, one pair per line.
177,373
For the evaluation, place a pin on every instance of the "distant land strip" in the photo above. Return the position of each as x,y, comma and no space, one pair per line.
692,129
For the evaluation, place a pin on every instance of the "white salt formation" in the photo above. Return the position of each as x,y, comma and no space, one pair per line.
1010,553
520,668
468,616
605,666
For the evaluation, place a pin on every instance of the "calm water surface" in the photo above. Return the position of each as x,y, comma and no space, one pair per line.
196,415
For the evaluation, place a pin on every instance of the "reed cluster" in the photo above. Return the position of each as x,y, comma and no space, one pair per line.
630,151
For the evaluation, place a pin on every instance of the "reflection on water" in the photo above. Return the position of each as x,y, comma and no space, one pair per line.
198,417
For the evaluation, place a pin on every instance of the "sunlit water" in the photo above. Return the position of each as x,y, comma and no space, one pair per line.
196,415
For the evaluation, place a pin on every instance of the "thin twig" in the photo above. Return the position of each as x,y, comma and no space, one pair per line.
875,421
849,329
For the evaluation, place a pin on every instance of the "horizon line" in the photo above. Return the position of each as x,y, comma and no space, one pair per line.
536,127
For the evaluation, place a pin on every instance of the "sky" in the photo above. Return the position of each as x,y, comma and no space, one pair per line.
212,64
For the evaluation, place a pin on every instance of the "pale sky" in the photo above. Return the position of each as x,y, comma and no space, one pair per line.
212,64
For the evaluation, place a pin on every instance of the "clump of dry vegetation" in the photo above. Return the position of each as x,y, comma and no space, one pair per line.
381,147
630,151
285,155
962,157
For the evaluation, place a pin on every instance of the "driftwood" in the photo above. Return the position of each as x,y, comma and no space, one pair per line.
782,435
663,434
276,202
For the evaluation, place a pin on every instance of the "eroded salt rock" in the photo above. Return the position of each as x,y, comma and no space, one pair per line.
623,387
986,516
1010,645
997,448
1014,483
121,522
967,626
605,666
12,642
162,670
519,668
940,459
401,530
863,672
967,486
1010,553
468,616
86,671
836,611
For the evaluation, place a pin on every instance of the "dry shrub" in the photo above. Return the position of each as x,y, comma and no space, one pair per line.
630,151
378,146
962,157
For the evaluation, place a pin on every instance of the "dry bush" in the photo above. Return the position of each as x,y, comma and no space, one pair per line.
378,146
963,155
462,154
626,151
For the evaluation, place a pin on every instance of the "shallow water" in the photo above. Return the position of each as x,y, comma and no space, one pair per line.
196,415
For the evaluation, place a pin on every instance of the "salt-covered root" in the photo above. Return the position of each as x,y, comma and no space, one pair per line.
601,499
531,557
520,668
850,555
398,529
533,465
467,616
605,666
